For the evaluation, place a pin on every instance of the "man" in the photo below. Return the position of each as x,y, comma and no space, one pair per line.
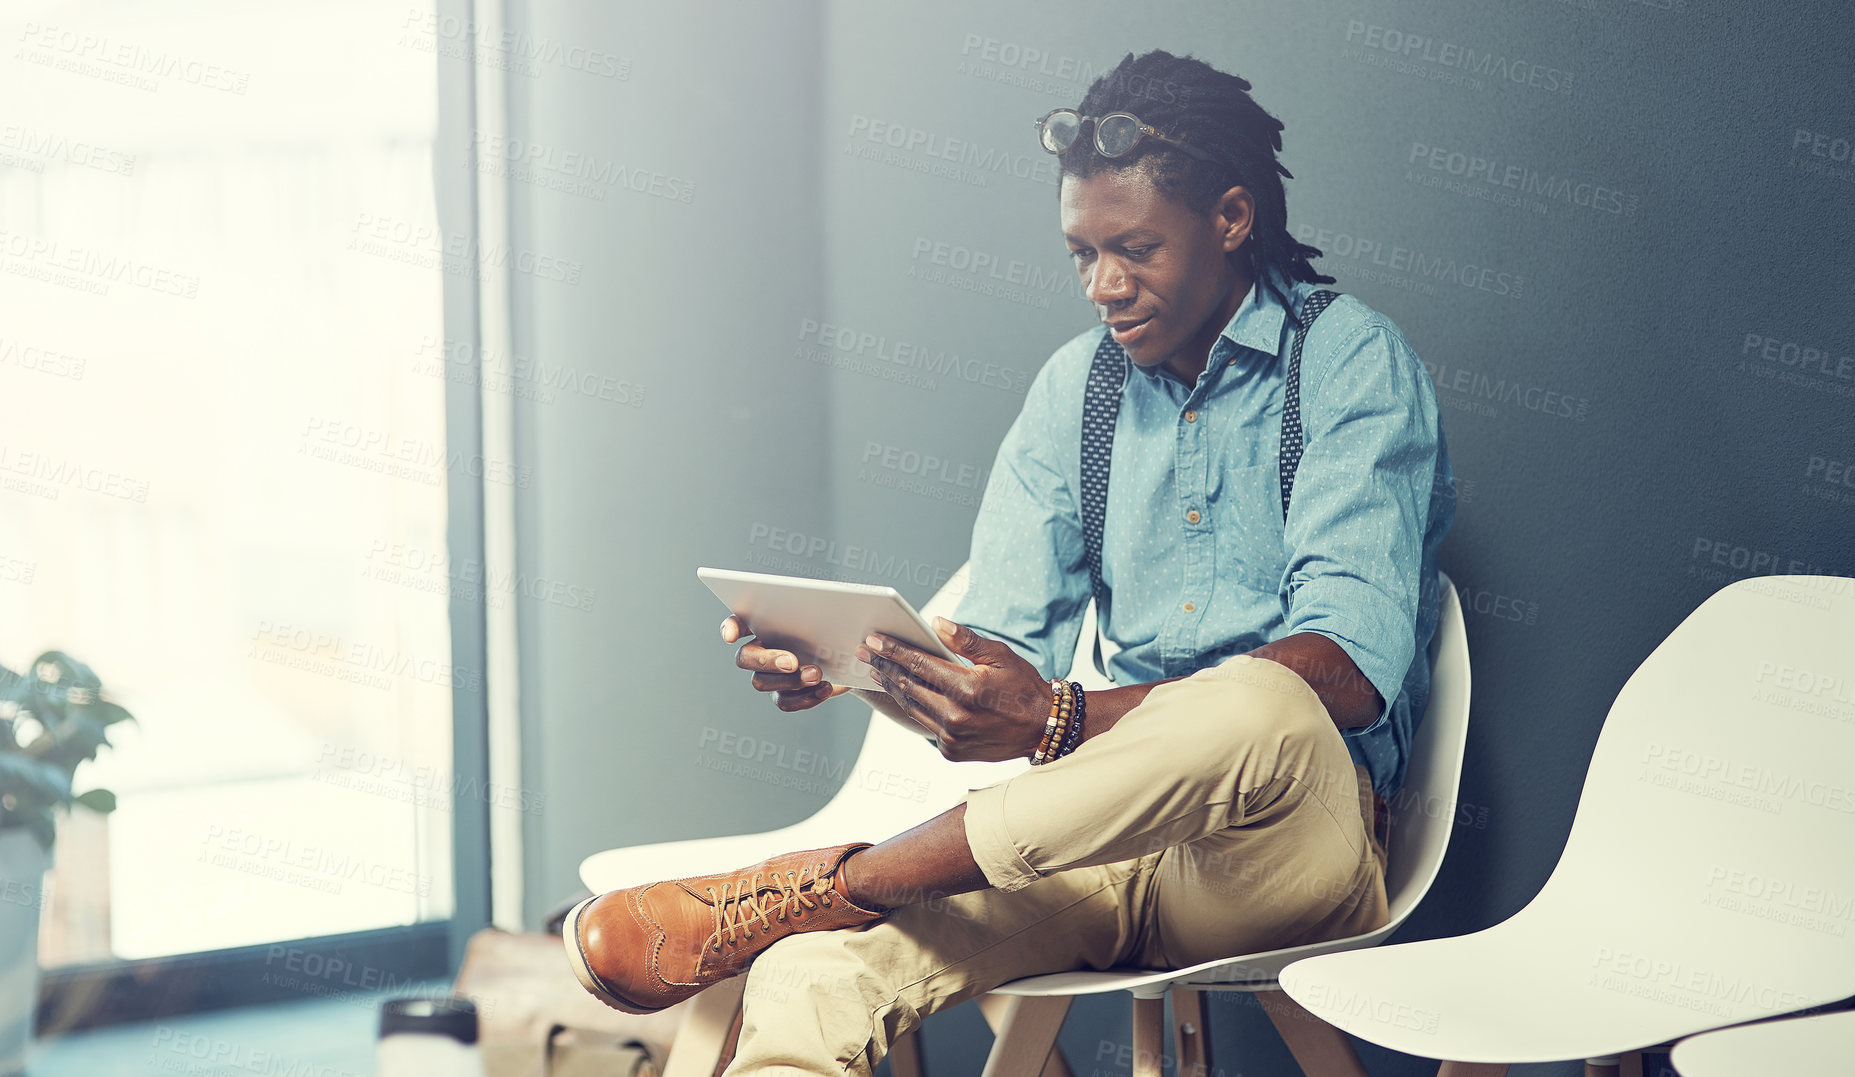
1219,803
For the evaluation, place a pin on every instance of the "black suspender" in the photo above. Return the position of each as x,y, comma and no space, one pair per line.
1101,407
1292,441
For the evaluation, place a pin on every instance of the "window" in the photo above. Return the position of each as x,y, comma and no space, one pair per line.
224,475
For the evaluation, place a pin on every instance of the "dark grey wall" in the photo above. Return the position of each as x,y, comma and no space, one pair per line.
1646,370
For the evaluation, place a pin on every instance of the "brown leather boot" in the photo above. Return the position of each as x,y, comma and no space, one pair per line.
648,947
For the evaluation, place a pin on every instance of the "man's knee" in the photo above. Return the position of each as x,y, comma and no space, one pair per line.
1254,697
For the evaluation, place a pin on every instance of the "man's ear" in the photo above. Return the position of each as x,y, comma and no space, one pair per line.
1233,216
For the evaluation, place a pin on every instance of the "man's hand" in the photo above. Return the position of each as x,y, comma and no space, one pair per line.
795,680
993,711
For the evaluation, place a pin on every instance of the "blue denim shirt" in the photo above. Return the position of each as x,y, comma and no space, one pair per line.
1355,561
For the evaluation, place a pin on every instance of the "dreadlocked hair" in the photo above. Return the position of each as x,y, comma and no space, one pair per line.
1189,100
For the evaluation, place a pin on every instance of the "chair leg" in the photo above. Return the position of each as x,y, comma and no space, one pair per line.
1627,1064
731,1043
1319,1048
1149,1036
1026,1034
1472,1069
905,1056
709,1032
1191,1032
996,1009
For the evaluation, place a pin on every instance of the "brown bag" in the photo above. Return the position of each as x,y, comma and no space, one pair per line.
535,1020
569,1053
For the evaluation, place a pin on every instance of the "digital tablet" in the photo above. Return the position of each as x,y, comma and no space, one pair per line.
823,618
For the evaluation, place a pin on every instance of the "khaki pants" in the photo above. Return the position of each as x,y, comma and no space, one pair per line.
1222,816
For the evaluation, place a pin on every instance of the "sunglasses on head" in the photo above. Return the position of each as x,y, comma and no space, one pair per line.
1116,134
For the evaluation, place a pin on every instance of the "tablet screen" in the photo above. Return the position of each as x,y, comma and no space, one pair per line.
822,619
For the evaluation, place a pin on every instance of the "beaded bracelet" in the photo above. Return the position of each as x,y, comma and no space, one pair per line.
1056,728
1066,739
1049,728
1064,710
1074,736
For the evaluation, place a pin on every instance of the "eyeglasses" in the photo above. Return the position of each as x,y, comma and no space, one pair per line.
1116,134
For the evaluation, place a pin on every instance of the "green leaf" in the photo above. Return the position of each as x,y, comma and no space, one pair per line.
111,713
101,801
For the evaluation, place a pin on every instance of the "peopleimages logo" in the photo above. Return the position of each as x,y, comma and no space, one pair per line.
1805,365
807,551
427,247
41,360
49,147
1479,388
1447,58
45,475
1676,984
512,50
1822,145
985,264
1041,71
1806,682
87,268
574,171
1038,167
826,338
1507,175
129,63
1026,58
1409,262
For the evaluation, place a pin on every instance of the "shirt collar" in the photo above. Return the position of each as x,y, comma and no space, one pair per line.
1260,317
1256,325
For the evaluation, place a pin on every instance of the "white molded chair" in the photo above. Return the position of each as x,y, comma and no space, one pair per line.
1422,815
1821,1044
1719,803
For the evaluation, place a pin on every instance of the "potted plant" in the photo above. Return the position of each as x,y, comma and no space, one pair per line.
52,718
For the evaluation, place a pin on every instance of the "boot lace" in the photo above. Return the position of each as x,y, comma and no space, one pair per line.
740,903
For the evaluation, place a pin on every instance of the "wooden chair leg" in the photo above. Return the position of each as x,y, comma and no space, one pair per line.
1320,1049
731,1042
1627,1064
705,1042
1192,1032
1472,1069
1149,1036
905,1056
996,1009
1027,1028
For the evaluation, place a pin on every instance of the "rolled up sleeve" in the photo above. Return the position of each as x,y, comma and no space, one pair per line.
1356,523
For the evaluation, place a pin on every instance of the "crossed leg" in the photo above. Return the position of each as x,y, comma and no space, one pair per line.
1222,816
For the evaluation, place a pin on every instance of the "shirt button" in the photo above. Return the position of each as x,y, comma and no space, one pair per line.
1189,608
1191,517
1191,416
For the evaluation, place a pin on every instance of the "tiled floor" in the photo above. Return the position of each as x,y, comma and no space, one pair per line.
324,1037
